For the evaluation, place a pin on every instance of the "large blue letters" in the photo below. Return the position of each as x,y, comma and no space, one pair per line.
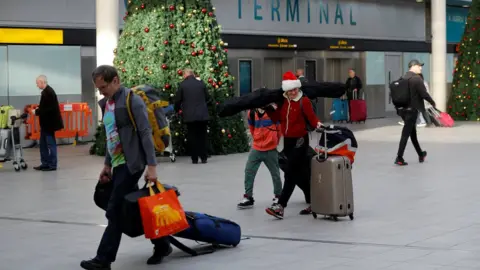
257,7
294,8
293,12
275,9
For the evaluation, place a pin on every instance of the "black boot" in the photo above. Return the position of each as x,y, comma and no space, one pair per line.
95,264
158,256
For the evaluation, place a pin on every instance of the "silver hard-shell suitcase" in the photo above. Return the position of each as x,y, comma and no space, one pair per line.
331,185
5,143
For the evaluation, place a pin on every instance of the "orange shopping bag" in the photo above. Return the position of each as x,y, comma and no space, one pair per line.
162,214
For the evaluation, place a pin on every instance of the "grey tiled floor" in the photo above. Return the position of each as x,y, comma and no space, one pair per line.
417,217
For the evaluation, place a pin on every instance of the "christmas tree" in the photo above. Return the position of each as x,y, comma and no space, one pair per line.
160,38
464,102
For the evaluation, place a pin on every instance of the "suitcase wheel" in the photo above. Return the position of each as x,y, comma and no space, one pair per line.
335,218
351,216
16,166
314,215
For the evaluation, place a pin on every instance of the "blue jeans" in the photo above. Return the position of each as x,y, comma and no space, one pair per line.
48,149
123,183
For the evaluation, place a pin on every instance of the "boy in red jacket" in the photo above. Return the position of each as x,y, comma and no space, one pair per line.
295,115
265,135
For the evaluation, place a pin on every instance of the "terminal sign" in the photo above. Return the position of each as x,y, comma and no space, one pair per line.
282,43
342,45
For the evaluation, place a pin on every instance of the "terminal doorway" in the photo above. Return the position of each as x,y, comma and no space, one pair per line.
274,69
336,70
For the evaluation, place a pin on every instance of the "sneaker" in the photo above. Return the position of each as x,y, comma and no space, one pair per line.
95,264
158,256
401,123
400,162
275,210
422,157
421,125
246,203
275,199
306,211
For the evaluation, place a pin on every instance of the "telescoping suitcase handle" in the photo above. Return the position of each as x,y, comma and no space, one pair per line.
326,130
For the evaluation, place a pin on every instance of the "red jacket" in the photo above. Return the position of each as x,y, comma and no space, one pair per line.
265,132
292,119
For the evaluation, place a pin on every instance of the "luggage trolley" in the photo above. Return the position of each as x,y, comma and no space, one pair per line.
11,143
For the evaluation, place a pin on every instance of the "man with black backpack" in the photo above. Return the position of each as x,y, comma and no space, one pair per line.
408,95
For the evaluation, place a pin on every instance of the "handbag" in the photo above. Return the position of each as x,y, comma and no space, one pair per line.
161,213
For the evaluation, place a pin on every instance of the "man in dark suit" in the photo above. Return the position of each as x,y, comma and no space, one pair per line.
48,112
191,99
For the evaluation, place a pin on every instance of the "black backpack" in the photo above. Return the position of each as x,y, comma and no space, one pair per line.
400,93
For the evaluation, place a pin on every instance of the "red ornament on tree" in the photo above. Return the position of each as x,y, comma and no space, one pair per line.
145,68
220,83
182,41
172,8
146,30
220,63
229,136
164,66
194,54
226,50
213,48
210,14
180,72
141,48
204,10
165,42
200,52
210,80
172,26
167,86
192,45
142,6
123,70
226,74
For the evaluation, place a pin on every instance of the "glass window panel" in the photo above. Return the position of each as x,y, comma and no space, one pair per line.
61,65
245,76
375,68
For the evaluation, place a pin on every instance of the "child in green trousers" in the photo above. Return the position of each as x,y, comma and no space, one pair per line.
266,135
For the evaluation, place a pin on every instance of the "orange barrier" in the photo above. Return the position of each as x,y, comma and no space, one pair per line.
77,118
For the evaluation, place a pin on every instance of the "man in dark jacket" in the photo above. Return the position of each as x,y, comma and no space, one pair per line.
191,100
48,112
418,93
354,85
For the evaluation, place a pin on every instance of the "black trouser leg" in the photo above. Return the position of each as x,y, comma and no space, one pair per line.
202,143
410,120
123,183
192,140
197,140
414,139
296,153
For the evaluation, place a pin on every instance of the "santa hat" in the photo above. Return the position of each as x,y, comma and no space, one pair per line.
290,81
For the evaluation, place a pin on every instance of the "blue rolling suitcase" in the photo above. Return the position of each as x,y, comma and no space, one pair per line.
340,110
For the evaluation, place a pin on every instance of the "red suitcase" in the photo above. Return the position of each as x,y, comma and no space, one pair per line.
358,110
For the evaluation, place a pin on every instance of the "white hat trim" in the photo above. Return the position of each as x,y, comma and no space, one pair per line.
288,85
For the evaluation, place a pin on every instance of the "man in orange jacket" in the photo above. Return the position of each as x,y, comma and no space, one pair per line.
265,135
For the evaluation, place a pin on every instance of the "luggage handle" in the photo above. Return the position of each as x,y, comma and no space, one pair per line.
326,130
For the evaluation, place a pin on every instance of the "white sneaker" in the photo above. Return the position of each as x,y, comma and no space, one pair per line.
422,125
401,123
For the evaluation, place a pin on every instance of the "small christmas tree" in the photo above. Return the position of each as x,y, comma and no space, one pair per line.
160,38
464,102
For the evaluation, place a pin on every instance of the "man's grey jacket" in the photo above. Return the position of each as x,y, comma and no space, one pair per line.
137,146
